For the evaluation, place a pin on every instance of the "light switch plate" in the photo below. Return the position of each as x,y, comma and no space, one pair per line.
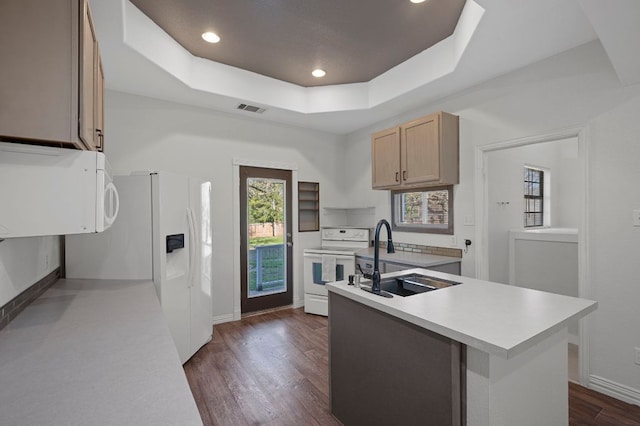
468,220
637,350
636,217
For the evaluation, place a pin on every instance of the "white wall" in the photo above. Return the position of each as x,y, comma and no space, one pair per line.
504,170
147,134
25,261
576,88
614,258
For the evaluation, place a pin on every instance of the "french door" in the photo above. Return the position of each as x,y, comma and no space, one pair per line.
266,229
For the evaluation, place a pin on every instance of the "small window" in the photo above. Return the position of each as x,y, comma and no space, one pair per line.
533,197
429,211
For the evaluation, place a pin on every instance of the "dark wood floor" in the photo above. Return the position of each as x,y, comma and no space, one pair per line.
271,369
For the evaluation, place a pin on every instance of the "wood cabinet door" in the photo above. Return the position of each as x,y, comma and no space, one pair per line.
385,158
87,63
420,150
99,105
36,95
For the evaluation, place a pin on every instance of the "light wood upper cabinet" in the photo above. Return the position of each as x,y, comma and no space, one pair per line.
88,49
420,153
51,87
385,158
99,106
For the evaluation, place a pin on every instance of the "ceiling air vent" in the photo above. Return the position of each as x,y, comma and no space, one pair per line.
251,108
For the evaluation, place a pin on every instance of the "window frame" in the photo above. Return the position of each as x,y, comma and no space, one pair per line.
541,197
425,229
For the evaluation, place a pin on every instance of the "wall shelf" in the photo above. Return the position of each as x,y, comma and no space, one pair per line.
308,206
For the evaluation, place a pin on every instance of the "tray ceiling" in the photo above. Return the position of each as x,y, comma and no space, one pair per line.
491,38
353,41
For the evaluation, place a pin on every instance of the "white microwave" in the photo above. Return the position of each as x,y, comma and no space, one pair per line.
54,191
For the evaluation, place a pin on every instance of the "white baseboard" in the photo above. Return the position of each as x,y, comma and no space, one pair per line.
219,319
615,390
298,303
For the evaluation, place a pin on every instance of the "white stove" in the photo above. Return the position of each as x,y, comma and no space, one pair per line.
334,260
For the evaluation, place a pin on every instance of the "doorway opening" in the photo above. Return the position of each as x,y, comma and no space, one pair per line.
266,267
513,252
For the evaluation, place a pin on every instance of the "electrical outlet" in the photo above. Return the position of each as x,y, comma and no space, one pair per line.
636,217
46,261
637,355
454,241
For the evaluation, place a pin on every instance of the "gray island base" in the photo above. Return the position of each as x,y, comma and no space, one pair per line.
477,354
386,371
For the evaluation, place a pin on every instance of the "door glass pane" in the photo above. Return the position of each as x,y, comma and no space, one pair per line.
266,245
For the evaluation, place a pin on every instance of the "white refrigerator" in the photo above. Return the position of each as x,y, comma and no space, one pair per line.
163,233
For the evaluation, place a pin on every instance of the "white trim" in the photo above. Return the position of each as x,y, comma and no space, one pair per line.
237,162
584,277
482,206
264,164
615,390
219,319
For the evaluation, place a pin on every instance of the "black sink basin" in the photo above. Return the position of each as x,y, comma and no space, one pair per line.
408,285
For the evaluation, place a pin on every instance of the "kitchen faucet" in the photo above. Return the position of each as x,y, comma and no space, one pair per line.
375,279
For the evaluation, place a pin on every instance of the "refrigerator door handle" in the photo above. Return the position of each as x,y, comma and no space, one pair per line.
192,245
115,204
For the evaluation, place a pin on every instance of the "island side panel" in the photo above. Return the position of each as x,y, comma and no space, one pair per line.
530,389
386,371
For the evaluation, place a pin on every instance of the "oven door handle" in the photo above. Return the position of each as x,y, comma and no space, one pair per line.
337,256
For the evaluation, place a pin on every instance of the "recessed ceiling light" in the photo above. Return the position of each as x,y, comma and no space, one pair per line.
211,37
318,73
417,1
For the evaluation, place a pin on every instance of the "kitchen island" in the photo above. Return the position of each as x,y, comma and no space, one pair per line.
508,346
93,352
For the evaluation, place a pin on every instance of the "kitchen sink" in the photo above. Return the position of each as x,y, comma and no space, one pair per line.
408,285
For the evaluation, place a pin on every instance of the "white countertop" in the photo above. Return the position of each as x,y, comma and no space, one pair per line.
421,260
93,352
495,318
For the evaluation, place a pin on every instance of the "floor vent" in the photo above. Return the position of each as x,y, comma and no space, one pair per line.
251,108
